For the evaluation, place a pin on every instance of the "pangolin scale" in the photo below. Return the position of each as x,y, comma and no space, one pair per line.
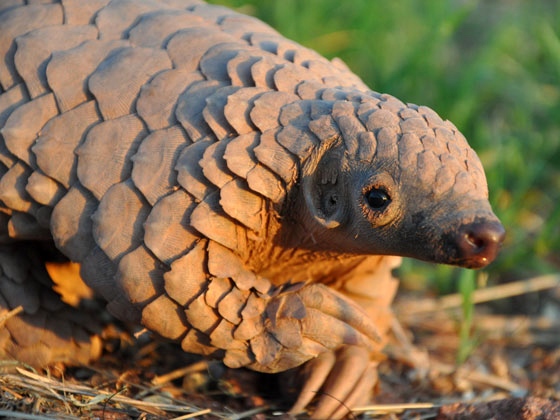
218,184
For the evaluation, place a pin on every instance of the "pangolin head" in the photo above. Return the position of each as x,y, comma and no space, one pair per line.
396,179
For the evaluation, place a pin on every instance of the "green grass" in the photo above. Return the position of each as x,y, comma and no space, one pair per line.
493,68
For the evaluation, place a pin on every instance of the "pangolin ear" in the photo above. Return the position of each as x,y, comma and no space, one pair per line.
325,188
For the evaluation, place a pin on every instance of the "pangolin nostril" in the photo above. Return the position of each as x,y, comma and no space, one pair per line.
479,242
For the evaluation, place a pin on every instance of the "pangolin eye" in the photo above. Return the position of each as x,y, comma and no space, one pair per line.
377,199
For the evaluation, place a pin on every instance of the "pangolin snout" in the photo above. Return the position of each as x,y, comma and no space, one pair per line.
478,243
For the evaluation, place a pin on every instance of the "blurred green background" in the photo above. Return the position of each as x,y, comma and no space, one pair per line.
491,67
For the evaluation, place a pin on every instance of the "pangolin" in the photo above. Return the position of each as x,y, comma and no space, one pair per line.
219,185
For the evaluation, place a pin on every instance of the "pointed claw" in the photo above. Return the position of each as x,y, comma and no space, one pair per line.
330,302
332,332
351,364
361,394
316,372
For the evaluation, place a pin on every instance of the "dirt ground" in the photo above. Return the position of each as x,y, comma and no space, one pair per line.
512,371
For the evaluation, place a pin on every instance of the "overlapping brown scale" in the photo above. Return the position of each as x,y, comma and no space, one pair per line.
265,348
209,219
140,276
410,147
382,118
268,184
282,47
309,59
239,106
298,140
214,167
391,104
239,68
344,113
213,63
12,188
435,144
311,90
68,71
43,189
153,164
231,305
164,316
79,12
112,142
222,337
10,101
476,171
189,172
239,153
188,277
367,105
262,72
289,76
186,47
445,175
241,160
275,157
98,272
18,21
211,13
199,343
264,41
35,48
241,204
340,94
431,117
266,109
118,220
157,101
167,230
60,137
117,80
71,223
190,106
243,26
252,318
324,128
387,147
118,17
427,165
238,357
154,29
202,316
416,125
463,183
213,112
218,287
23,124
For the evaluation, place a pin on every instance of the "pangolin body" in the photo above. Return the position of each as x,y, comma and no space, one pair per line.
220,185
